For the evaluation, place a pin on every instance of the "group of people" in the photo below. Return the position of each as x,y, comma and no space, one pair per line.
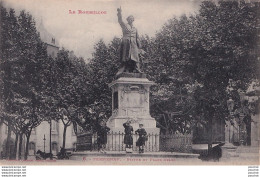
128,137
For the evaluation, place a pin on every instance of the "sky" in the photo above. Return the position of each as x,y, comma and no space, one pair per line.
80,32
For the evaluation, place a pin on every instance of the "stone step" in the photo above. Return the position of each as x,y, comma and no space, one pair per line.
247,149
135,154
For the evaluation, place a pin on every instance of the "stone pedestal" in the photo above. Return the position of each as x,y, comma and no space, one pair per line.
130,101
228,149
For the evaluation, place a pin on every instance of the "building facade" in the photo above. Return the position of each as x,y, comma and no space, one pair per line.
40,139
50,41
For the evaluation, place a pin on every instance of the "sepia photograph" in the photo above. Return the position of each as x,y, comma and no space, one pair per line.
120,82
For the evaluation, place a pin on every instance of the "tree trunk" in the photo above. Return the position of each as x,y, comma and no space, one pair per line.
50,139
64,136
20,146
15,145
8,141
27,144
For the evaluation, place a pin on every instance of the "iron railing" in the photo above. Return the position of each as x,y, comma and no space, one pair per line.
155,142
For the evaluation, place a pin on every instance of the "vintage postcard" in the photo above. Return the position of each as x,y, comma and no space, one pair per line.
123,82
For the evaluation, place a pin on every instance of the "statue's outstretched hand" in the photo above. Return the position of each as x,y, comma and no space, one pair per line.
119,10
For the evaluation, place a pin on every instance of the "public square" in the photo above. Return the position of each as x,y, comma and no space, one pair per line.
129,83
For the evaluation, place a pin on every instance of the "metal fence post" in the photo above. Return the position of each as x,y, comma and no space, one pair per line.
112,141
149,142
108,140
152,142
136,138
123,141
156,142
119,140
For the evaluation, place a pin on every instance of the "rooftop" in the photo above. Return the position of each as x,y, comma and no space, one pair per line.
47,37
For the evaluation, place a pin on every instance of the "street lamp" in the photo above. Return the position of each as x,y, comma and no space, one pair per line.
44,139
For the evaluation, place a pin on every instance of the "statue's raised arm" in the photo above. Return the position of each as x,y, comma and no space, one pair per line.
129,50
119,15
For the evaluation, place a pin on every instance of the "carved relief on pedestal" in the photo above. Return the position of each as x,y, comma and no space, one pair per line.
134,112
144,92
134,95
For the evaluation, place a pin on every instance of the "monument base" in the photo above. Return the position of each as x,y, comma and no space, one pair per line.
228,151
116,135
130,102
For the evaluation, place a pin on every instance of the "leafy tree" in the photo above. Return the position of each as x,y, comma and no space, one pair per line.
228,40
192,60
21,53
102,70
8,57
203,52
171,100
67,89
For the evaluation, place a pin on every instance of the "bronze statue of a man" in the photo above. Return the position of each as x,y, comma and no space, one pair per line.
130,45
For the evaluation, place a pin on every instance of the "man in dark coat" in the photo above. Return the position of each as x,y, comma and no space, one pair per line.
102,136
142,138
128,139
130,45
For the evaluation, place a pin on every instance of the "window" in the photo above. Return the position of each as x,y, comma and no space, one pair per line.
31,148
54,127
115,100
54,148
53,40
